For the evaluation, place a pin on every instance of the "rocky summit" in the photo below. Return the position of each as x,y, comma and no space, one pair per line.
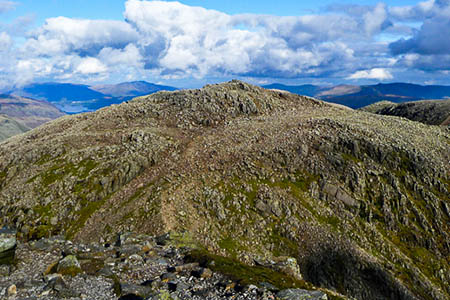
349,203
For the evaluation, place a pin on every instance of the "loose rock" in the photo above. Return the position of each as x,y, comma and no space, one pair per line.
69,265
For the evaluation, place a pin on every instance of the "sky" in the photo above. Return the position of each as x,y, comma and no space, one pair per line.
191,43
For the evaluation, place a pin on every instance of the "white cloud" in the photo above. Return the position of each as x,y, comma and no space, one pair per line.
198,42
129,56
6,58
167,39
5,41
174,19
65,35
413,12
375,73
90,65
173,40
26,70
374,20
427,48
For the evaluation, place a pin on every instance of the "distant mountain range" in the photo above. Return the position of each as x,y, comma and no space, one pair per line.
359,96
75,98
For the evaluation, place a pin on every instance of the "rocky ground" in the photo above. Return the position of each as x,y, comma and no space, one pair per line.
135,267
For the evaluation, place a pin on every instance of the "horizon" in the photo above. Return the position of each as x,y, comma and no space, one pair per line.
189,44
219,82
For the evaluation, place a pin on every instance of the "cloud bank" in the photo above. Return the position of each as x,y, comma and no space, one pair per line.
170,40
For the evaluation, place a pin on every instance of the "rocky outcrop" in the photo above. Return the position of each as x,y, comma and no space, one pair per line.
69,265
432,112
359,200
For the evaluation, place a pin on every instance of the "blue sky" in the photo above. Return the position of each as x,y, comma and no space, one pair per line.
113,9
190,43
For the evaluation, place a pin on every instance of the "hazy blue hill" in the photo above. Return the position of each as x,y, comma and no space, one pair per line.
55,92
134,89
360,96
76,98
68,97
368,95
394,92
306,89
414,90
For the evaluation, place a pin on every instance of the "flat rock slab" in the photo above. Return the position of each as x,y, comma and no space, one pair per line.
128,291
299,294
8,245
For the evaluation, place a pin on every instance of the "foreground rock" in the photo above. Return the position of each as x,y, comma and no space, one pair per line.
154,272
69,265
8,245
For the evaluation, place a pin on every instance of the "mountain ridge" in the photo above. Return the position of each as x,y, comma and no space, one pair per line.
248,173
432,112
133,88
